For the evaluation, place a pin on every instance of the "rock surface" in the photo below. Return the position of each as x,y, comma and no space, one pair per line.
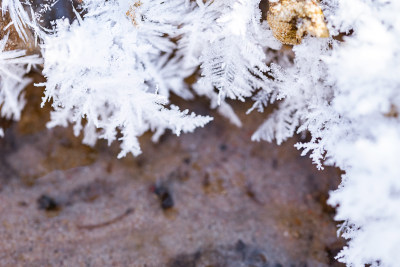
211,198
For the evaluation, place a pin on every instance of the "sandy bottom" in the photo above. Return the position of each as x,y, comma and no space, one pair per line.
211,198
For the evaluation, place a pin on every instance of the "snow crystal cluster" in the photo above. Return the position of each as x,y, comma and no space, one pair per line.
110,73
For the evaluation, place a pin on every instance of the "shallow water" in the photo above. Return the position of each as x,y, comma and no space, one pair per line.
211,198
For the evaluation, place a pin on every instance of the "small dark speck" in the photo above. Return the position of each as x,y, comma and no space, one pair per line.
275,164
109,167
240,246
310,237
165,196
22,204
187,160
223,147
47,203
183,261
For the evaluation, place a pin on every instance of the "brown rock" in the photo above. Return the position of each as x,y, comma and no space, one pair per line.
14,41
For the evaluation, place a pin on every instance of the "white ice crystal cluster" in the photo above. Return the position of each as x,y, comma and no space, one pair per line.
110,73
366,75
347,95
14,65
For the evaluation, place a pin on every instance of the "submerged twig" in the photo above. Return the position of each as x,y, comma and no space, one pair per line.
94,226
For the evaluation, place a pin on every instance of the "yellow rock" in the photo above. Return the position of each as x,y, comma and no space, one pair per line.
291,20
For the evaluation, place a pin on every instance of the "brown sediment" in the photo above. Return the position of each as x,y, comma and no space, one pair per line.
235,202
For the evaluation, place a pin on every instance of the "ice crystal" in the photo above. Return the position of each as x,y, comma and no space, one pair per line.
114,76
14,65
111,72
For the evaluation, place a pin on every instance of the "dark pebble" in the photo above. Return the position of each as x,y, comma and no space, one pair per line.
47,203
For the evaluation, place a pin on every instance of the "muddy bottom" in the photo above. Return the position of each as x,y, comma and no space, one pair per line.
211,198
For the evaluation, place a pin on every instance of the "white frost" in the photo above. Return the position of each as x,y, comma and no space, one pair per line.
111,75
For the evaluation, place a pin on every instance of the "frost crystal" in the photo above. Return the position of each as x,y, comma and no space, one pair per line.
107,72
14,65
110,73
346,94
